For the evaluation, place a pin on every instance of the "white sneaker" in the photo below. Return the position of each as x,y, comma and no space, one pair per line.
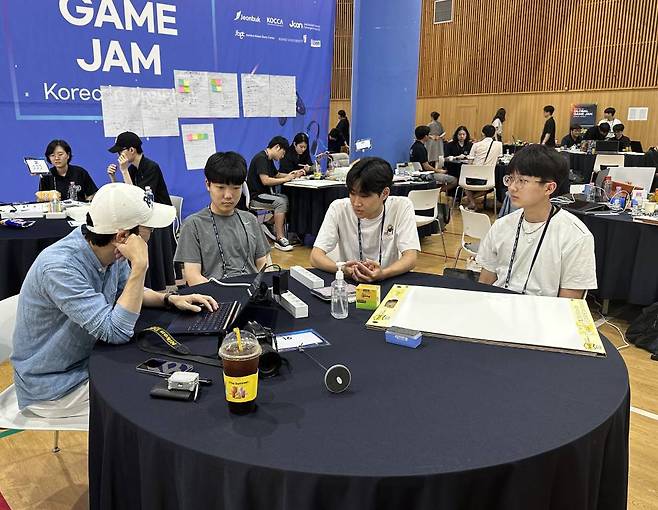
282,244
266,230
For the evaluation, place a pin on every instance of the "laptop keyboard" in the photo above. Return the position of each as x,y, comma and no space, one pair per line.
206,321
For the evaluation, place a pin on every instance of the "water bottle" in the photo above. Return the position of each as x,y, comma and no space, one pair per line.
73,191
339,300
587,191
149,193
616,201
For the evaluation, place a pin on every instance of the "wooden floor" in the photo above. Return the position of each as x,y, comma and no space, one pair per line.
31,477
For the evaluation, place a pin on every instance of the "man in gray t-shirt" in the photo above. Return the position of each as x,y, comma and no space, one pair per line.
220,241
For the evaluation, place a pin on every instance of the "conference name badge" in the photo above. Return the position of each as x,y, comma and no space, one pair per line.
241,389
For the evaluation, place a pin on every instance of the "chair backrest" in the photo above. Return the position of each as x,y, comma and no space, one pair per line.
425,199
177,202
417,166
245,192
639,177
8,309
478,172
608,160
476,225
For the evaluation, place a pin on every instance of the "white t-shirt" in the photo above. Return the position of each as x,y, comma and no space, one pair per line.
480,149
498,124
565,260
340,229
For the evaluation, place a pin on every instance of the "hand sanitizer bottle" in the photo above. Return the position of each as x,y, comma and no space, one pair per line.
339,302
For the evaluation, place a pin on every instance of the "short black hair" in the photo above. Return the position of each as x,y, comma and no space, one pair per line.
604,127
549,109
610,110
618,128
280,141
421,132
369,175
574,126
61,143
435,115
488,130
537,160
226,168
101,240
341,113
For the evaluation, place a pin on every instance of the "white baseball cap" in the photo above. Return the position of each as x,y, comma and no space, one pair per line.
120,206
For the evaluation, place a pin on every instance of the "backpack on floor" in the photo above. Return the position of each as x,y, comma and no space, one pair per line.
643,331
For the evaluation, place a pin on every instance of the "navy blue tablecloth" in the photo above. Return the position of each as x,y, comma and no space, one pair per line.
626,251
448,425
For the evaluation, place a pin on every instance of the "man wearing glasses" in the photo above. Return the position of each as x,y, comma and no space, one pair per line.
538,249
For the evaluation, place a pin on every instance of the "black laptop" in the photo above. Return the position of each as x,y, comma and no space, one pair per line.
582,205
636,146
607,147
205,322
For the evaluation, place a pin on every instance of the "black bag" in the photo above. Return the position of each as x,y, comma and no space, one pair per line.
643,331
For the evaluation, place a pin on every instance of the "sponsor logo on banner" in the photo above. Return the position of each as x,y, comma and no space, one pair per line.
316,43
305,38
296,24
243,17
239,34
276,22
311,26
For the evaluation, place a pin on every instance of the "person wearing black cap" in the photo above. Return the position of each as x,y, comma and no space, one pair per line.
136,168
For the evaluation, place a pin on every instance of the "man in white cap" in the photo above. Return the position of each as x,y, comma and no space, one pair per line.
88,286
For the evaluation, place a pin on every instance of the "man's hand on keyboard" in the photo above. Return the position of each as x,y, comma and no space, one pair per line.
194,302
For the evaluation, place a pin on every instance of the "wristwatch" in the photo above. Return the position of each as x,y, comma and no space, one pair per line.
167,304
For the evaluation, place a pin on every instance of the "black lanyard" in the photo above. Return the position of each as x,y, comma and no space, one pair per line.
219,245
381,237
554,211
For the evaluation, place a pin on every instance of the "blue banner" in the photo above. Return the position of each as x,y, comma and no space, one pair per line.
56,54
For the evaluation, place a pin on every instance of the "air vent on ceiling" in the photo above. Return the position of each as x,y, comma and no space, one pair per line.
442,11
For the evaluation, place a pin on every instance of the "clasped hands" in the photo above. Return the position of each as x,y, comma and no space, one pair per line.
363,271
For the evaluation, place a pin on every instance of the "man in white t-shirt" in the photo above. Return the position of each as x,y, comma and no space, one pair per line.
609,118
374,234
538,249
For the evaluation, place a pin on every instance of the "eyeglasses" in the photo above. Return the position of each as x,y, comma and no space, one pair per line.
520,182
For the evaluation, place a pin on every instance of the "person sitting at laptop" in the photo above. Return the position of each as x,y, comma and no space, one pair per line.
418,154
624,141
374,232
573,138
538,249
221,241
87,287
599,132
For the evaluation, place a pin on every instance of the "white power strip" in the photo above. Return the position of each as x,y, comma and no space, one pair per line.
293,305
306,278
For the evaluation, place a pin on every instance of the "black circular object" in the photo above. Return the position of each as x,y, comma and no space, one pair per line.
337,379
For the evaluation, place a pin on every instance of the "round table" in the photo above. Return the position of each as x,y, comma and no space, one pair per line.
20,247
626,251
307,206
448,425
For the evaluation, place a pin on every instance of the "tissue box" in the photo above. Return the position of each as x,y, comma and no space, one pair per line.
368,297
404,337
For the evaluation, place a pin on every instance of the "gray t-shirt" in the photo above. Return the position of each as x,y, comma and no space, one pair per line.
240,236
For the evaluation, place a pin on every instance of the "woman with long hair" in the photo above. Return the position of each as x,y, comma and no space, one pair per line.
497,122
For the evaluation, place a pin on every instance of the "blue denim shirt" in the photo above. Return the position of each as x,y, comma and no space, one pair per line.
67,302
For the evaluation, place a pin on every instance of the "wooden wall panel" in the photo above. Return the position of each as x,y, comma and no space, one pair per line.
341,80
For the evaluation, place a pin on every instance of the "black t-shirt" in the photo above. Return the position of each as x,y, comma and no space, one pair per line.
260,164
418,153
85,184
149,174
568,141
624,142
344,127
454,149
549,129
292,160
593,133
